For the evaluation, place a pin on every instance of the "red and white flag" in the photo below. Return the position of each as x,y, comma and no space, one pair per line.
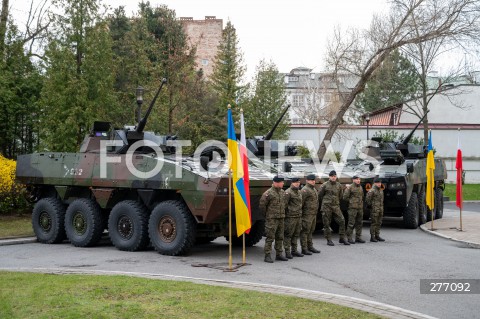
459,167
244,158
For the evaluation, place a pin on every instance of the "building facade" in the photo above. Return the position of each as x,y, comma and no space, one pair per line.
315,97
205,35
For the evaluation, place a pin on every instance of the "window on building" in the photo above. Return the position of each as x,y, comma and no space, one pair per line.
297,100
293,79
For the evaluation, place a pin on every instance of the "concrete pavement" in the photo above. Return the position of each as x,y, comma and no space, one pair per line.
449,226
445,227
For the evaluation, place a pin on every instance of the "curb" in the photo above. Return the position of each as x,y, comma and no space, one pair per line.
17,241
374,307
468,243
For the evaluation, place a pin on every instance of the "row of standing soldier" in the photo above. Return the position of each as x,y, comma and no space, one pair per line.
292,214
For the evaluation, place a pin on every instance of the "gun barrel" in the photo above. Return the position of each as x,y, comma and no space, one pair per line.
409,136
270,134
143,121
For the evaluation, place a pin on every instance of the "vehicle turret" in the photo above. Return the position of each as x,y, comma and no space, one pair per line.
257,144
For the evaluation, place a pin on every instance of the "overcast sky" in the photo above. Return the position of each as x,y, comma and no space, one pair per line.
290,33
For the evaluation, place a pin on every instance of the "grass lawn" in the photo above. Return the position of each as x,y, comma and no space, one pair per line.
15,226
34,295
470,191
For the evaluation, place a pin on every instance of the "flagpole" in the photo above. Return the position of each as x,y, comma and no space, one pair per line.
461,229
230,219
244,259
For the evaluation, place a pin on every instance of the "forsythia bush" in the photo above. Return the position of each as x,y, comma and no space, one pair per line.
10,191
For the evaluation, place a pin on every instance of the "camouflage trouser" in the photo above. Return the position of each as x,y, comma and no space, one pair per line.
337,215
355,219
376,217
293,225
274,229
308,227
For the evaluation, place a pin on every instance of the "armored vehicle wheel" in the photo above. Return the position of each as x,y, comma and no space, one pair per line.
83,222
255,235
48,220
128,226
172,228
422,208
439,203
410,215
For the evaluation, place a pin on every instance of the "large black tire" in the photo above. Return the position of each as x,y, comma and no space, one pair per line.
128,226
48,220
410,214
439,203
84,222
255,235
422,207
172,228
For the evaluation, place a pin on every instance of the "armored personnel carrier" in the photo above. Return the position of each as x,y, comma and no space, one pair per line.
402,168
129,182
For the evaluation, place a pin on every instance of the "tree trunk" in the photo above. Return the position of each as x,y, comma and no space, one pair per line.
3,26
338,119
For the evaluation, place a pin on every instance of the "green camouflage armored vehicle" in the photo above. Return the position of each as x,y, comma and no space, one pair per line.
128,182
402,168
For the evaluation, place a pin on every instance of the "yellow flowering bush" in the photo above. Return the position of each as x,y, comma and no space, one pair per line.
10,190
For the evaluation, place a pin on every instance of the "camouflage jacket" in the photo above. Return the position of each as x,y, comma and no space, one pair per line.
354,196
293,202
330,194
309,200
272,203
375,198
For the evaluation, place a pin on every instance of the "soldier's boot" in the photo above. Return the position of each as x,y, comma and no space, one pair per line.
359,240
343,241
379,238
330,242
373,239
268,259
295,253
314,250
281,258
306,252
351,241
288,254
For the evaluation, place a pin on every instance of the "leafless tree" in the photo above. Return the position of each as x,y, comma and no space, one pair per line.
35,27
424,55
408,22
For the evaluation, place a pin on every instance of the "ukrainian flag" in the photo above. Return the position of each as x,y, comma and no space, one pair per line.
240,195
430,198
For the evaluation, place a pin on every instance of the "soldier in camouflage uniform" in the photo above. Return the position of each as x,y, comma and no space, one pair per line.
272,203
330,196
309,215
374,199
354,196
293,219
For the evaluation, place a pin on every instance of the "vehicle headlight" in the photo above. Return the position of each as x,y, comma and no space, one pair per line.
399,185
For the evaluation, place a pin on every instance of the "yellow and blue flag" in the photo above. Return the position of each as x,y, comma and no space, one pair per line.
430,198
242,214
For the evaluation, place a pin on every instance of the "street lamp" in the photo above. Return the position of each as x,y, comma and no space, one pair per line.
367,119
139,94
